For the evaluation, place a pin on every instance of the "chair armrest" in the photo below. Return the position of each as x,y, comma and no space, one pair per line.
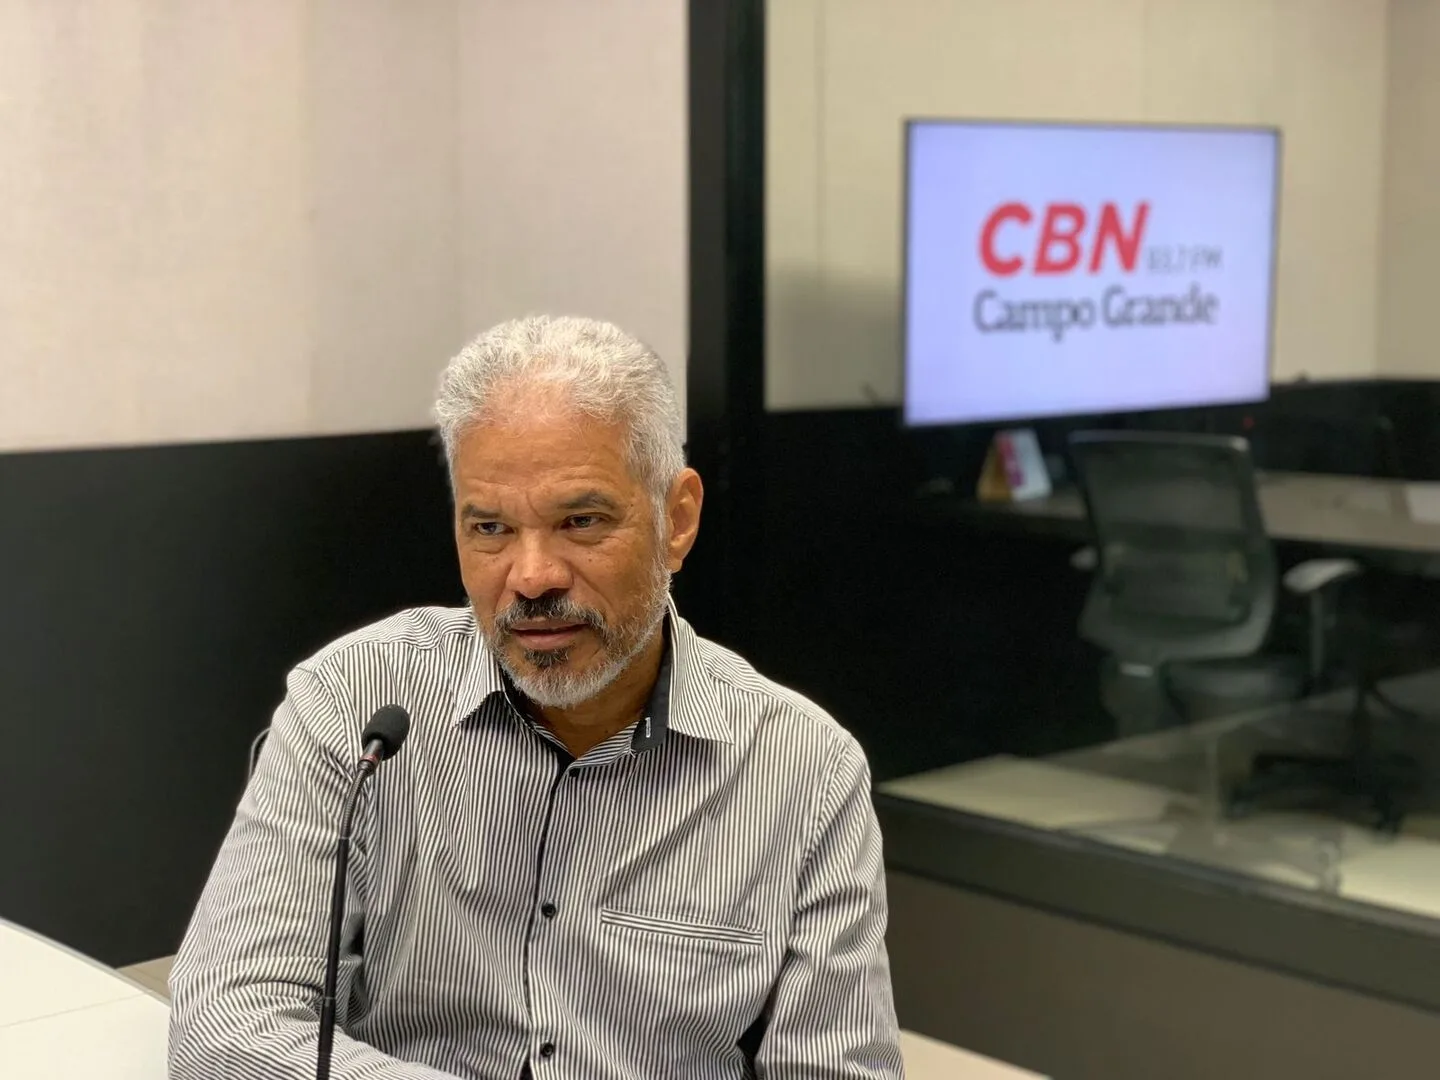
1313,575
1085,559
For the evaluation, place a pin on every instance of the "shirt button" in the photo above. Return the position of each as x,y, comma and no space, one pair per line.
549,910
547,1050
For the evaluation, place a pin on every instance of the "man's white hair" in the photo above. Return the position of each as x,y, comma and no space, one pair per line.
603,372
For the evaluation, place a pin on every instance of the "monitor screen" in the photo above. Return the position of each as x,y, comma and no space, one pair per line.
1074,269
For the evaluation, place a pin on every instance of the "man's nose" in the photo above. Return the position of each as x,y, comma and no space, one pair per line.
536,569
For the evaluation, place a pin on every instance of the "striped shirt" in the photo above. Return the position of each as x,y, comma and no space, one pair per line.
700,896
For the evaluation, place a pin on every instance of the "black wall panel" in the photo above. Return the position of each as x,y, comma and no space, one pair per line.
151,602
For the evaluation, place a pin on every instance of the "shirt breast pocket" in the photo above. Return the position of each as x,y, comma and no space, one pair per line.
678,976
681,933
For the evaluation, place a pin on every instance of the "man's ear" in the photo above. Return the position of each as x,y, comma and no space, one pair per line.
682,510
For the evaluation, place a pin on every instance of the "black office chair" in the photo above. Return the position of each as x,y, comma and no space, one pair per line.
257,744
1186,581
1183,599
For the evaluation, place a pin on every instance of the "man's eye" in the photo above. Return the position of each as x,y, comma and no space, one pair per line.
487,528
583,521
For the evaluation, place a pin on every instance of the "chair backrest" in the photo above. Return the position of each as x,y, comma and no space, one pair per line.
257,744
1184,568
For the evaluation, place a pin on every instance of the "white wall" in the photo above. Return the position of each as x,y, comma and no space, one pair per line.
154,189
384,171
237,218
1411,225
574,164
843,73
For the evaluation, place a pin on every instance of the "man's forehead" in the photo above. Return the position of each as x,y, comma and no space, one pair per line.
515,444
547,469
578,496
571,495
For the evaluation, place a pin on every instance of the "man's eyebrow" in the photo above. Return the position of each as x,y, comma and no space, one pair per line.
593,499
471,512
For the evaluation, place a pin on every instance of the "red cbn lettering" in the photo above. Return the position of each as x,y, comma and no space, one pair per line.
1063,238
1002,267
1063,224
1111,230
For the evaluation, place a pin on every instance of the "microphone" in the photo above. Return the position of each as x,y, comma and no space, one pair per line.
384,735
382,738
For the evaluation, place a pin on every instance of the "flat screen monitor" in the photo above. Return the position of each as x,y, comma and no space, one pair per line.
1085,269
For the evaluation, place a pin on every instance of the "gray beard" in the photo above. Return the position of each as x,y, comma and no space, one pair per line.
551,684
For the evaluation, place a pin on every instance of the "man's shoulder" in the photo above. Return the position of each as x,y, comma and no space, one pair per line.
413,630
761,708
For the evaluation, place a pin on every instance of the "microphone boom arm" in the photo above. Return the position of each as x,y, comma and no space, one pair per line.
363,772
382,738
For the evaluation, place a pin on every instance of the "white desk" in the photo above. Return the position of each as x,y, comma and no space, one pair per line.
122,1040
926,1059
1356,512
64,1017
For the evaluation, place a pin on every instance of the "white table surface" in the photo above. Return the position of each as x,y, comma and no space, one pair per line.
41,978
926,1059
120,1040
64,1017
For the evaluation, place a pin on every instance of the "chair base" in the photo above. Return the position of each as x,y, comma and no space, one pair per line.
1381,788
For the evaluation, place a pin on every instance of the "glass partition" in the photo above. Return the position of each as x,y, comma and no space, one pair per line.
951,632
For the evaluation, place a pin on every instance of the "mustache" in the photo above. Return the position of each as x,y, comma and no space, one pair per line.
555,607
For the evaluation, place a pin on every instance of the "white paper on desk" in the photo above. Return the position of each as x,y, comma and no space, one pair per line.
1423,503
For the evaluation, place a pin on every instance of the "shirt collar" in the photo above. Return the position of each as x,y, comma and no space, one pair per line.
684,698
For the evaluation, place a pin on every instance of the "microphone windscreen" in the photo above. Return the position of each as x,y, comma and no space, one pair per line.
388,726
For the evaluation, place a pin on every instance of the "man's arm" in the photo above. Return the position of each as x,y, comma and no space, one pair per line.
247,981
832,1013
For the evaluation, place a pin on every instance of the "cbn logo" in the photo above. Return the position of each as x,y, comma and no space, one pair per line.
1063,238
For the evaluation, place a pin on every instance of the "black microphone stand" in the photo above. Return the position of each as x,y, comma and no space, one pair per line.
326,1045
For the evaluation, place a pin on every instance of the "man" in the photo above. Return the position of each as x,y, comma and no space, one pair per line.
608,849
